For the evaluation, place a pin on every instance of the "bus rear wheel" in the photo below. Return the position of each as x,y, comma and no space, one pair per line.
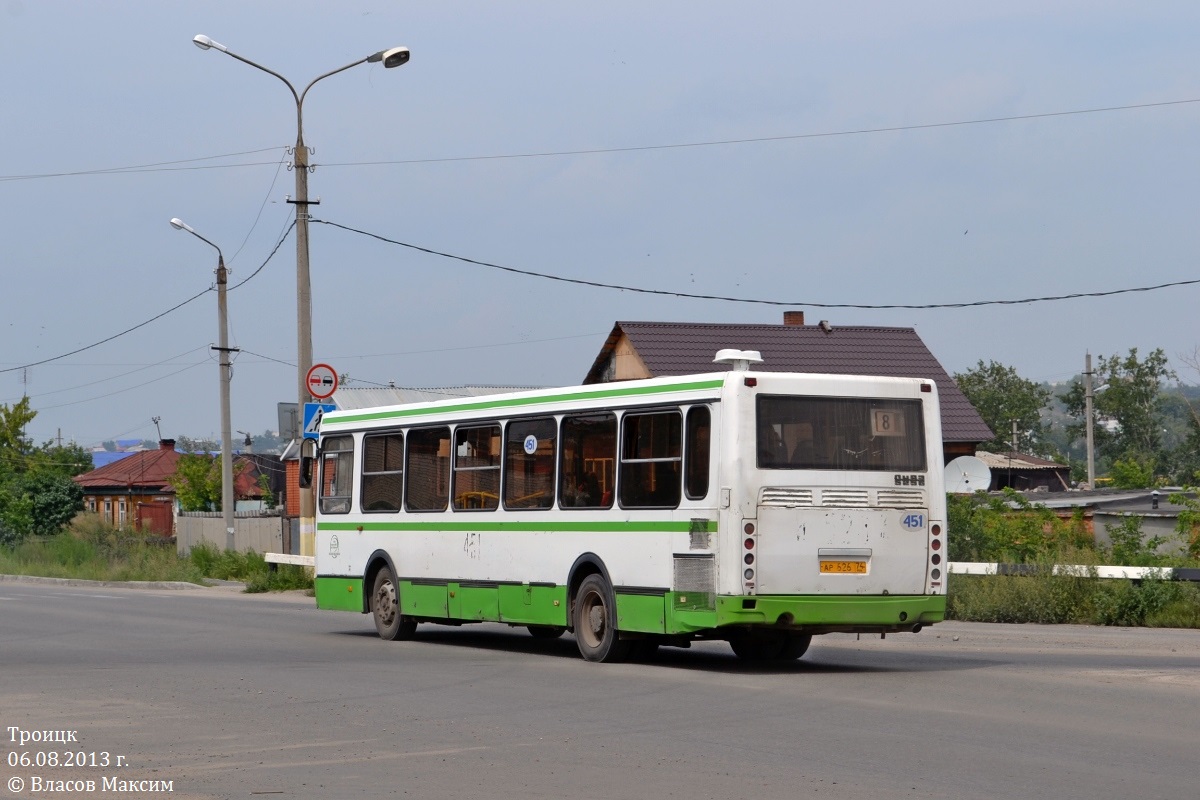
770,646
595,619
545,631
391,625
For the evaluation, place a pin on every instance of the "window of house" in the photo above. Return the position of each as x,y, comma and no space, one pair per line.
651,457
428,466
477,468
383,472
529,463
337,474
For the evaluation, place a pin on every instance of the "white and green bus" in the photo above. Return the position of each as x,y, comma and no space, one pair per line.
759,508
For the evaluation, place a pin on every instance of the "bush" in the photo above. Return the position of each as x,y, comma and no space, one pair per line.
1130,548
1134,603
1041,598
1010,529
250,568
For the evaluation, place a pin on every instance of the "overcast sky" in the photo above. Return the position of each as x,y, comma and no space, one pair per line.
840,181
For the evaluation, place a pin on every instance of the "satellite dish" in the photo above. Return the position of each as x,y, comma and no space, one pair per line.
967,474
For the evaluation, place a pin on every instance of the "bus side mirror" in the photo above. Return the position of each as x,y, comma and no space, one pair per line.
306,471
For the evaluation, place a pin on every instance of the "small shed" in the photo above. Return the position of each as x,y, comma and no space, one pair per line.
1025,473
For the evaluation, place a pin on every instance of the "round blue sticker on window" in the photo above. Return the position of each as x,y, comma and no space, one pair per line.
530,444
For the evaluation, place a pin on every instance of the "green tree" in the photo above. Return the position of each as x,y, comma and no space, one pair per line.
60,459
268,497
1130,393
1001,396
37,495
197,482
51,500
13,420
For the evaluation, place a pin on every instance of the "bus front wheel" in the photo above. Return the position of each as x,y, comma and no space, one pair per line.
595,618
385,608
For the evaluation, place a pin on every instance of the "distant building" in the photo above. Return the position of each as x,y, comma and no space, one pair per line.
1025,473
651,349
135,491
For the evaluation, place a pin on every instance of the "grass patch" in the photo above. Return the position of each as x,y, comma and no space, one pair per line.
250,568
1082,600
92,550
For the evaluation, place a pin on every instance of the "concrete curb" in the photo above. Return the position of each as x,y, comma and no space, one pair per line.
101,584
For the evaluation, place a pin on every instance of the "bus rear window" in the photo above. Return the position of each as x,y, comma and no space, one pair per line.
843,433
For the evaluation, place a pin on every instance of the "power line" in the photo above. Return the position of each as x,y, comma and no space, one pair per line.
127,388
760,139
147,167
110,338
121,375
170,166
727,299
157,316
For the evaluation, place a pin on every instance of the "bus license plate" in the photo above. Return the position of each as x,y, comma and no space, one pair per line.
844,567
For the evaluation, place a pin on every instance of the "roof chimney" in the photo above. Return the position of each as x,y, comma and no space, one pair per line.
791,318
166,444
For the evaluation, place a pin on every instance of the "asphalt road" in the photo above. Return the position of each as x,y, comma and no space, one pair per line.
229,695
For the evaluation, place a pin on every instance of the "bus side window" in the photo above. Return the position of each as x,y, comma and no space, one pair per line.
428,468
382,472
529,463
337,474
651,446
699,437
585,469
477,468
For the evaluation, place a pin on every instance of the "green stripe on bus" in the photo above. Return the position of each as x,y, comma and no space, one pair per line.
667,526
516,402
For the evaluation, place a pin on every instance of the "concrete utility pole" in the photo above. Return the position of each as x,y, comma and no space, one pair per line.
1087,404
393,57
226,368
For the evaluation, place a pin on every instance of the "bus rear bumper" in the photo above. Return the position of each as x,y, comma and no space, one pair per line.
816,613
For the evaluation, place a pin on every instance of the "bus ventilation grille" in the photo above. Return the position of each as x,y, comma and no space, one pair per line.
901,498
844,498
786,497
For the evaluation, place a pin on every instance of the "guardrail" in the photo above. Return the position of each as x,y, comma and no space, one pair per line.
1082,570
286,558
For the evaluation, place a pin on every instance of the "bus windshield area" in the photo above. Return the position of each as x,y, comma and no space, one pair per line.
839,433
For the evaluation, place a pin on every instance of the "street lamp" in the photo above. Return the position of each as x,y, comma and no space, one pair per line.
394,57
224,350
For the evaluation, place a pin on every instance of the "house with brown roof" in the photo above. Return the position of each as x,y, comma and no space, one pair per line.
135,491
636,350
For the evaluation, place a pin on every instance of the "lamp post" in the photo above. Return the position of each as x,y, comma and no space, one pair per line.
393,57
223,350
